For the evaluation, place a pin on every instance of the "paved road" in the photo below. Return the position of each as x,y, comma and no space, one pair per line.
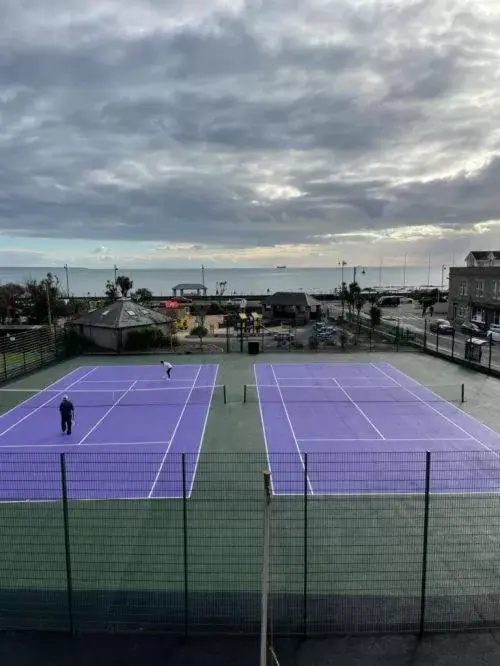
409,315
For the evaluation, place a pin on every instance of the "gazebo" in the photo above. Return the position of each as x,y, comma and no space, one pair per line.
190,287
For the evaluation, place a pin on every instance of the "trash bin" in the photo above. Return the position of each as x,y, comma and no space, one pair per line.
253,347
474,349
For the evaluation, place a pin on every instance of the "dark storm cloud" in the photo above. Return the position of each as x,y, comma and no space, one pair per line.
216,123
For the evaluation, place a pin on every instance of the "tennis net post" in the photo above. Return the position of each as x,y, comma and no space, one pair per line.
265,567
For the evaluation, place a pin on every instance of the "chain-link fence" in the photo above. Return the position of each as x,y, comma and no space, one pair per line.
24,350
435,338
373,542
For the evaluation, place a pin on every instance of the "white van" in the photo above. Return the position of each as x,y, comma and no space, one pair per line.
494,333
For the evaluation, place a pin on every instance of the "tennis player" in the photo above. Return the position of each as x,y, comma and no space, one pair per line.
168,368
67,414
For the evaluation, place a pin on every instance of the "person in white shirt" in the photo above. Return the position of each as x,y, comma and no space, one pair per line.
168,367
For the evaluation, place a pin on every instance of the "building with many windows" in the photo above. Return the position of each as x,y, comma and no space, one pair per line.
475,289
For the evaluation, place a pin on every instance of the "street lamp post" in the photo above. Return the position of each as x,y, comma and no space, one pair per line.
115,271
342,264
67,280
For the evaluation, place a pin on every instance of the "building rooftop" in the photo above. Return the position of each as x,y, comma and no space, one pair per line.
123,313
482,255
189,285
292,298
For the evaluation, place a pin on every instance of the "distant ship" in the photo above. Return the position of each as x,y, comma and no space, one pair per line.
281,268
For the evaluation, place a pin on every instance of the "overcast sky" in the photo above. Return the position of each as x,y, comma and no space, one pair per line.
249,133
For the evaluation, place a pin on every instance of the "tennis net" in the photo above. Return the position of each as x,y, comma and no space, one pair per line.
412,393
134,397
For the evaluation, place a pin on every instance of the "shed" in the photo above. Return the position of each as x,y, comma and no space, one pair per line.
108,327
294,307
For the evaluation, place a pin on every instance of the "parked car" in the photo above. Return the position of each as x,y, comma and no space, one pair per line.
442,326
481,325
388,301
471,328
494,333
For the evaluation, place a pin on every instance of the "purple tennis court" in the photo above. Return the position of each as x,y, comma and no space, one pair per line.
131,424
344,416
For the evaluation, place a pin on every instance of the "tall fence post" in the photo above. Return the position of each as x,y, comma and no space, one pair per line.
425,542
67,544
185,547
304,630
266,569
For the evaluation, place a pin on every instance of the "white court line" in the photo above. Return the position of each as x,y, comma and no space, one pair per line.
29,447
203,431
36,409
392,439
291,429
360,410
21,404
117,402
138,498
412,493
174,433
326,379
441,399
429,405
127,381
263,425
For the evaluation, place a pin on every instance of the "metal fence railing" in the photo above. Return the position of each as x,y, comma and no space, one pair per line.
25,350
405,542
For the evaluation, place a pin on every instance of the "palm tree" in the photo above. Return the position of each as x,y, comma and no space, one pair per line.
125,284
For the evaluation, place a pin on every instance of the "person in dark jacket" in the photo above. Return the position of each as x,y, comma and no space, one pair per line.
67,414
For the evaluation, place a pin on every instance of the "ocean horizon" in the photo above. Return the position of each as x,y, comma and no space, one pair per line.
160,281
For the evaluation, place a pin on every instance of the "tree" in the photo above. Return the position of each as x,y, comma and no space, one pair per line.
45,301
344,295
352,296
111,291
200,329
11,301
142,295
124,284
220,289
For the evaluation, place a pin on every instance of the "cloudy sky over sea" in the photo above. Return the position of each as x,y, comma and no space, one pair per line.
236,132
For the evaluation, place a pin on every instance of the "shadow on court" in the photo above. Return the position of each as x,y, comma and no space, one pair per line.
468,649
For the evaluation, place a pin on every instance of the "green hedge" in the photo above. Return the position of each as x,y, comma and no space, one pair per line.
150,338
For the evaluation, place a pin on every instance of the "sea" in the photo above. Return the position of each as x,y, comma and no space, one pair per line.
239,281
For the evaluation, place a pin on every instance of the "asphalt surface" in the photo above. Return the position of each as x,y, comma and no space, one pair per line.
409,315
